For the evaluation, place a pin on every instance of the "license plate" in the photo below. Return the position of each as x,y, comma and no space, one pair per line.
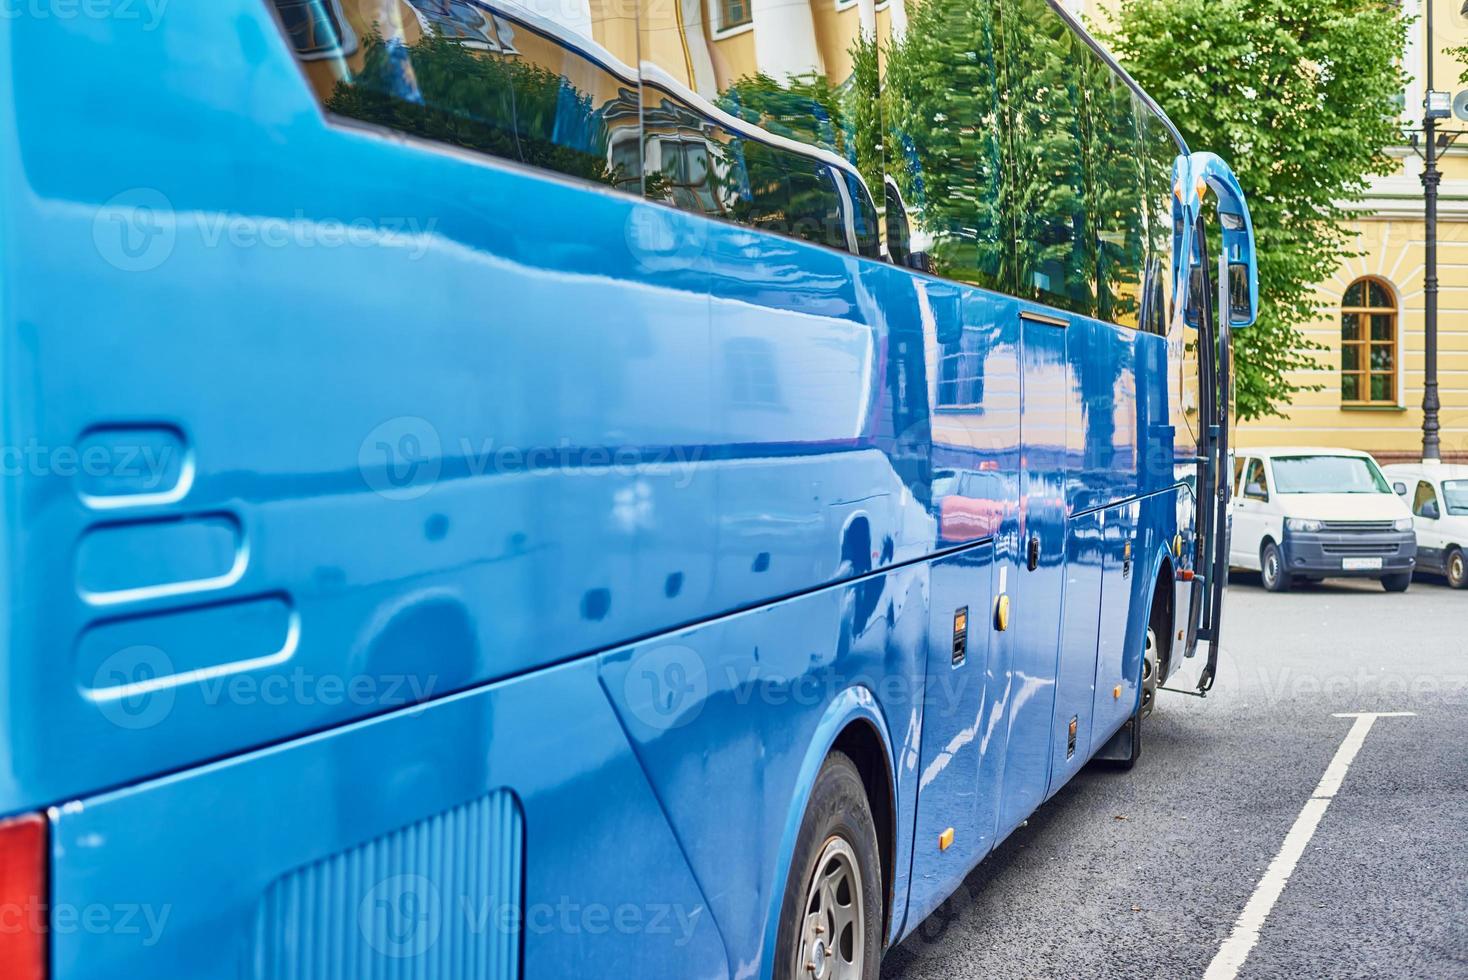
1360,564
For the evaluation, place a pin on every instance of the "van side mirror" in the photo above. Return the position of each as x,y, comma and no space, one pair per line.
1430,511
1256,490
1400,488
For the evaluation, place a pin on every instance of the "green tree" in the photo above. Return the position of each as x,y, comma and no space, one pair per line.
1302,100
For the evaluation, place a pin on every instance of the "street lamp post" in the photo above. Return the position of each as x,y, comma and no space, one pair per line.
1437,106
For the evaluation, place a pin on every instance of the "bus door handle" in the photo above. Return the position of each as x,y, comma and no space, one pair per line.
1034,553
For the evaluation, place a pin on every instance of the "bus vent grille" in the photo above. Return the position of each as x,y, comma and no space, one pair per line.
437,900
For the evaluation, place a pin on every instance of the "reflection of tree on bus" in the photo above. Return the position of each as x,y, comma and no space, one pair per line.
513,84
509,108
940,102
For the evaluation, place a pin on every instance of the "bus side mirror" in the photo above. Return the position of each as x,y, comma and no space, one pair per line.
1239,310
1238,235
1197,295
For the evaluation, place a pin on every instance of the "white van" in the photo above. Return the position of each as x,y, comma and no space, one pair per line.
1313,514
1438,496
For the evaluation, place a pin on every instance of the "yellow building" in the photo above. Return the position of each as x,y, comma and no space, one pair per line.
1371,311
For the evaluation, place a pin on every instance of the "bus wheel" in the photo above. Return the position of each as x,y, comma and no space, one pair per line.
831,914
1150,669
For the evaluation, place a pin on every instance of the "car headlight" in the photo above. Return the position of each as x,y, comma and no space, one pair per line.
1404,524
1304,524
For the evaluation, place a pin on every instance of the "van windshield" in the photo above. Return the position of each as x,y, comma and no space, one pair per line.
1328,474
1455,497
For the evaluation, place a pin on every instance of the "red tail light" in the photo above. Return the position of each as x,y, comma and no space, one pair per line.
24,905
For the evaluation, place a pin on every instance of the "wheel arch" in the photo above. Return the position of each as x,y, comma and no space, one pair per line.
1164,590
853,721
861,743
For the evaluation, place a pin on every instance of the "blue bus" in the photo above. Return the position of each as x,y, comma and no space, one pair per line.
522,489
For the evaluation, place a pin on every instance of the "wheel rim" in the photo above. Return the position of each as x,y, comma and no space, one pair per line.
1149,672
833,931
1456,569
1271,566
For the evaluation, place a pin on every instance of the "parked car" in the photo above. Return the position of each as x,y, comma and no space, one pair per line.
1438,496
1311,514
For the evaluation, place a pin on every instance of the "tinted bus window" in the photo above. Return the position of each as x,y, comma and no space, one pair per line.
493,79
941,100
786,144
1054,261
1161,215
1118,194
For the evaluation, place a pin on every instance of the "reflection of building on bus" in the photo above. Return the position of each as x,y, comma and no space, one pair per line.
551,84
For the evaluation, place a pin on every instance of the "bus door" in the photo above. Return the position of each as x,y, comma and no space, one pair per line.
1215,314
956,808
1039,591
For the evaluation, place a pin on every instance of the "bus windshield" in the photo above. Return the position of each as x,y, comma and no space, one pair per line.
1328,474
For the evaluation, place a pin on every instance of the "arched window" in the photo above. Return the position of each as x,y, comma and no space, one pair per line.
1368,344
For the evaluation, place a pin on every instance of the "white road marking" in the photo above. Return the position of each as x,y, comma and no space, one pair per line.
1235,949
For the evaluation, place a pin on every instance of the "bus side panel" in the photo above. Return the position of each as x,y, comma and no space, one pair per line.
962,739
1039,579
497,425
430,842
1125,603
1103,425
722,718
1076,684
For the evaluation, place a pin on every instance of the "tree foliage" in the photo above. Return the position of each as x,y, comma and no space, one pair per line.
1302,100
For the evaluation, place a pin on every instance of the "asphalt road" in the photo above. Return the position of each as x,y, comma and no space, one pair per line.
1144,873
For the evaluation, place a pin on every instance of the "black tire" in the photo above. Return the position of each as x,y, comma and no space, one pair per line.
1272,570
1397,583
838,811
1456,568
